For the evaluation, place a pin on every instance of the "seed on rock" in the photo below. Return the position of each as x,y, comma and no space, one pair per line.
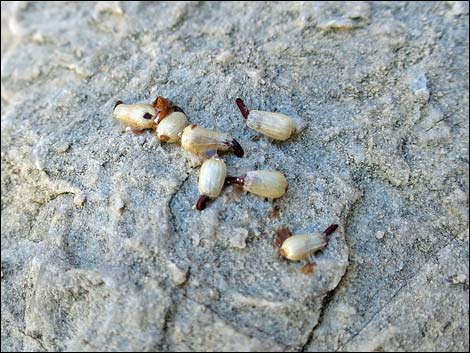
170,129
138,116
265,183
211,180
298,247
275,125
199,140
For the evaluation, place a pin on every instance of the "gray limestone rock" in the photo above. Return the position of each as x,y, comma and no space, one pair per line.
102,248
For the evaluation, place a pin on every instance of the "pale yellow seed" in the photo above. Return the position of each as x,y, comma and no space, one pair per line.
211,177
132,115
171,128
198,140
266,183
298,247
275,125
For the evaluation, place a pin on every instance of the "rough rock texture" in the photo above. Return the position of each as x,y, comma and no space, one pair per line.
101,246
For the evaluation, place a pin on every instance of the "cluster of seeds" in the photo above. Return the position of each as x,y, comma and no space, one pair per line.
170,124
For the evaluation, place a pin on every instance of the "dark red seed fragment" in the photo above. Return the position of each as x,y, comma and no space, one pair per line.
243,109
117,103
202,202
234,180
237,149
162,106
330,229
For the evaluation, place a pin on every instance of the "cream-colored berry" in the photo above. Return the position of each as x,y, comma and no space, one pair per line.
211,180
199,140
137,116
275,125
171,128
265,183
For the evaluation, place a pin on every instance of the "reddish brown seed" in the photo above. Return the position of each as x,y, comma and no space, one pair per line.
164,138
330,229
281,235
243,109
308,268
162,106
202,202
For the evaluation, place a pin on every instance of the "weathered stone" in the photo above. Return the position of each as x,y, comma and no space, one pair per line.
102,248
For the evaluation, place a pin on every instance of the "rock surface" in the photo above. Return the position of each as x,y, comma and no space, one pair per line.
101,245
